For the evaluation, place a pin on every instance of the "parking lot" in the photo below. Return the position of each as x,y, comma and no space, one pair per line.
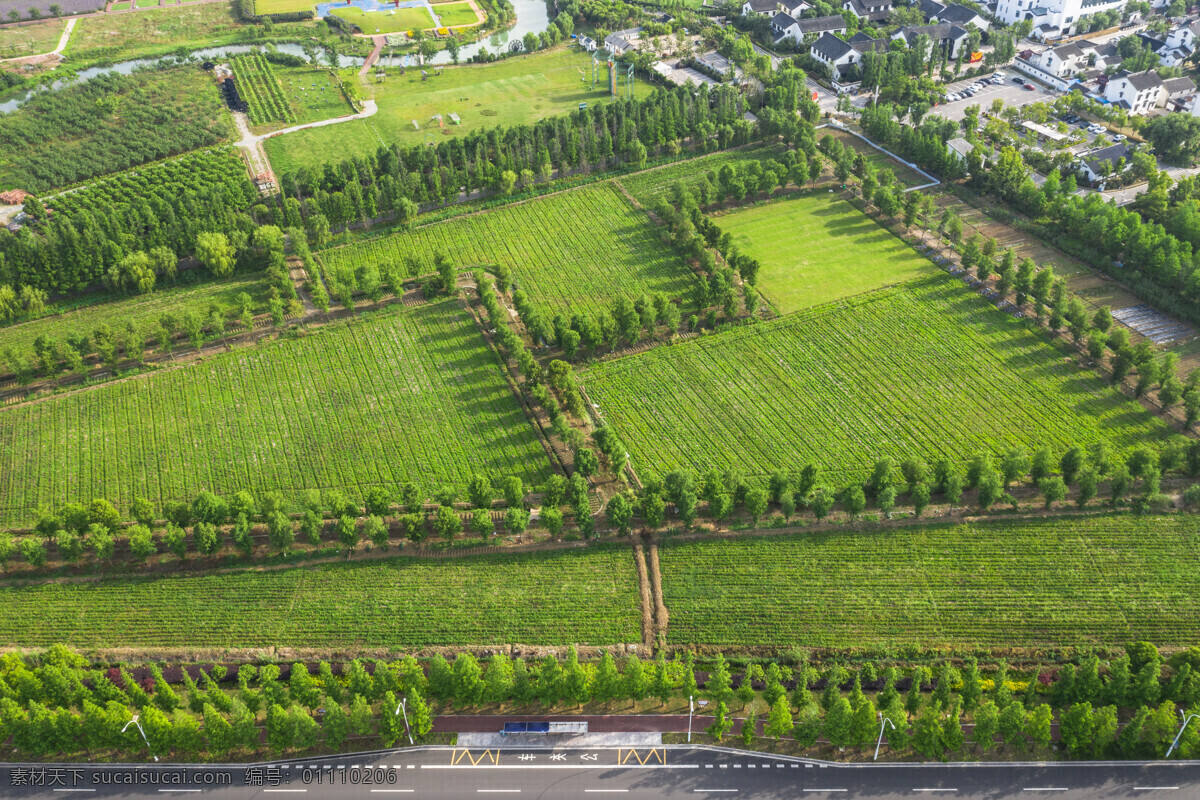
1011,93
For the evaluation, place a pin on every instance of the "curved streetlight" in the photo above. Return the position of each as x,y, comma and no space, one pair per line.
401,709
1186,720
882,722
134,721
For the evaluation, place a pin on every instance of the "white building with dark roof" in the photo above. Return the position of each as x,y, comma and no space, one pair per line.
1052,18
797,29
1097,165
869,10
944,39
1135,92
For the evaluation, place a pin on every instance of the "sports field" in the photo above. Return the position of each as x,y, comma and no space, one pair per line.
577,249
587,596
513,91
925,370
411,395
404,19
1046,583
818,248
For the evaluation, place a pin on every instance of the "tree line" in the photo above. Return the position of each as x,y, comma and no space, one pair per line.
56,702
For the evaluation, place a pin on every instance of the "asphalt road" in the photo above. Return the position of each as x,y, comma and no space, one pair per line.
447,773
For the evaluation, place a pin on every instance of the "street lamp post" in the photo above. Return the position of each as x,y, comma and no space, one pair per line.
882,722
134,721
402,709
1186,720
691,709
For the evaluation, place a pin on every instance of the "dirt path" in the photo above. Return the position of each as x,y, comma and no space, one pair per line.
644,595
661,617
252,142
379,40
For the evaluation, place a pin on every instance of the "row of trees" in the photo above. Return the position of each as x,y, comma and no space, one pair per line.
58,703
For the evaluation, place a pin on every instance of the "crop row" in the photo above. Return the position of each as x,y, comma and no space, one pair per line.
1088,581
412,396
925,370
580,249
196,172
260,88
537,598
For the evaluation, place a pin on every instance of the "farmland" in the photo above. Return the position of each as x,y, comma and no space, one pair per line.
28,40
517,90
818,248
575,249
1085,581
313,94
925,370
534,598
110,123
117,311
396,397
260,88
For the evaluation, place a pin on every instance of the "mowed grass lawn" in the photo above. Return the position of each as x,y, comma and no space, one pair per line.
514,91
575,250
282,6
816,248
404,19
312,93
1039,583
405,395
585,596
925,370
30,40
454,15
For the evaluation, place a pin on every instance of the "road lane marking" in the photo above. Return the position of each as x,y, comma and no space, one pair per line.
483,766
602,791
285,790
1155,788
504,791
708,766
392,791
179,790
1047,789
714,790
74,790
824,790
935,790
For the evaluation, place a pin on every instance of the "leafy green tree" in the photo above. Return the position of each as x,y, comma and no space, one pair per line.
779,720
468,680
635,682
516,519
1053,489
619,513
446,522
175,540
721,724
756,506
1071,463
1012,724
280,532
1039,724
928,733
853,500
481,522
335,725
606,685
376,531
864,723
141,542
987,723
839,720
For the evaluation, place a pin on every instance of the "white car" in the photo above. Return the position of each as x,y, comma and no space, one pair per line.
950,98
1120,137
1096,129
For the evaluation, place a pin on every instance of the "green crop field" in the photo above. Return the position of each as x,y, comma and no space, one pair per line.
403,19
929,369
549,599
413,395
1087,581
260,89
575,249
513,91
454,15
818,248
142,310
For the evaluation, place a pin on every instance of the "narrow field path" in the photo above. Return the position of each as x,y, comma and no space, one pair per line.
379,40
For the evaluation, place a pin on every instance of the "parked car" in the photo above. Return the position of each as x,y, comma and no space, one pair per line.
1029,87
1017,79
999,75
1120,137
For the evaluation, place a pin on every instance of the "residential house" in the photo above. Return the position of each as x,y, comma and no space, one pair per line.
953,13
960,148
1099,164
621,42
798,29
760,8
869,10
840,55
1136,92
716,63
944,39
1179,93
794,8
1062,61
